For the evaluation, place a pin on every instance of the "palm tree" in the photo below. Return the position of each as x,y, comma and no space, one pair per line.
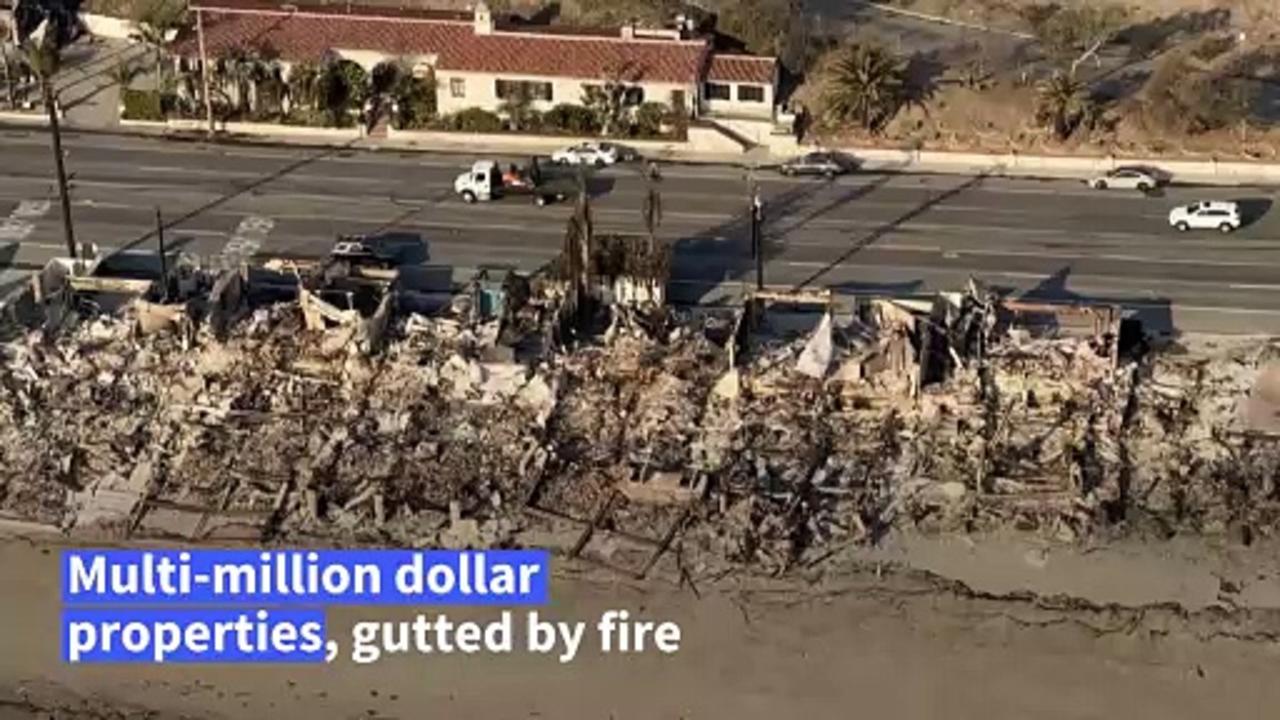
123,73
1061,104
517,106
6,37
415,98
304,85
865,84
44,60
341,84
268,85
154,20
386,78
43,56
242,70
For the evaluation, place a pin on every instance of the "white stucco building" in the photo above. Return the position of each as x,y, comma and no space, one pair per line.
478,59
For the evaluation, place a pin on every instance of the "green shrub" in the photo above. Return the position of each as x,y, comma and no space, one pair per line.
649,119
570,118
385,77
475,120
416,98
535,121
142,105
307,118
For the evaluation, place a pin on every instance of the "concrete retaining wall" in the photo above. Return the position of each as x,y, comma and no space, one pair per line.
701,140
24,118
238,128
1054,166
708,140
106,26
289,131
115,28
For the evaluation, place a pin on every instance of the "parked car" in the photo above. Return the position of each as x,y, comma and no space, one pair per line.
621,152
588,153
1127,178
828,164
1207,215
365,251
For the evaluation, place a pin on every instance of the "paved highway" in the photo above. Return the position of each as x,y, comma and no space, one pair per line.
866,233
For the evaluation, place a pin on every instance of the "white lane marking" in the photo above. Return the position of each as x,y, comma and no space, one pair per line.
1077,283
30,209
246,240
959,253
20,223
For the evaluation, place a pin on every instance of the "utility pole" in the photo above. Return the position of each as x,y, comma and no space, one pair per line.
51,105
43,57
757,251
204,72
164,262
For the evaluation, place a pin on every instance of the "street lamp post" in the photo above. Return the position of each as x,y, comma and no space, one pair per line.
757,249
164,261
204,73
51,105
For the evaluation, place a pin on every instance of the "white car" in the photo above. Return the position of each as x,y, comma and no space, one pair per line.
586,154
1129,178
1207,215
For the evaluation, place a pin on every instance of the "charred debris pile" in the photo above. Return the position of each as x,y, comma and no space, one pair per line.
355,405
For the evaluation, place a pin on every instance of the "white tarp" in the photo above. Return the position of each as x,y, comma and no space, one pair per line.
816,357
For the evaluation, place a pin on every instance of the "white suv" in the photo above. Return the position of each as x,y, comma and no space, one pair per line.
1207,215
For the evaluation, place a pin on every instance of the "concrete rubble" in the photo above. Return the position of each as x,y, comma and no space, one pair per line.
300,402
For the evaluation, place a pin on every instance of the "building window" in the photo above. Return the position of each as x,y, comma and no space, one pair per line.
716,91
458,87
633,96
509,89
750,93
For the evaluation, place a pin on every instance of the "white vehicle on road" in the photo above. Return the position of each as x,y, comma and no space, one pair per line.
586,154
1126,178
1207,215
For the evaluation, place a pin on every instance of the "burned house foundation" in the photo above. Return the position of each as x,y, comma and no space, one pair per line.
362,405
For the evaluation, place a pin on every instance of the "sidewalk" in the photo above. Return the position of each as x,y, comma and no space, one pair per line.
192,131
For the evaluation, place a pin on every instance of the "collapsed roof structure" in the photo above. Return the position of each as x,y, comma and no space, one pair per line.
303,398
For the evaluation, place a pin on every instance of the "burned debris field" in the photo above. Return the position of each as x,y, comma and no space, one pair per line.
353,405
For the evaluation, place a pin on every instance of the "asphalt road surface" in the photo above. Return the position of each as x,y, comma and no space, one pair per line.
866,233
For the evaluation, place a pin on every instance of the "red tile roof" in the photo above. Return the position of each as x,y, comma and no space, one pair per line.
312,31
742,69
334,7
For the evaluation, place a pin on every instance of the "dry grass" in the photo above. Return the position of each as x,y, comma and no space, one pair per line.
1001,119
1009,14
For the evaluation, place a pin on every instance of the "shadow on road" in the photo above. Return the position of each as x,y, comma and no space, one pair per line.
722,253
784,218
242,190
8,252
894,289
1156,313
405,248
1253,209
878,233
